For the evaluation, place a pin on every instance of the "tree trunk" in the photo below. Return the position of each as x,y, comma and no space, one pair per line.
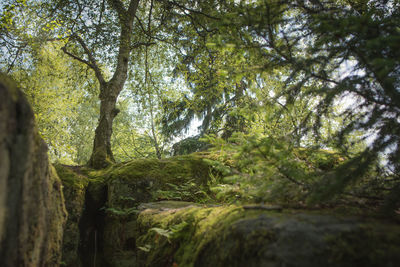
102,154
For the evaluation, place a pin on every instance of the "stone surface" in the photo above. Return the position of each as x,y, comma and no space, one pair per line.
103,204
234,236
32,212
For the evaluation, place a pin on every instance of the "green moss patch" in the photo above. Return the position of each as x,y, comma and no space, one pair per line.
70,178
179,234
172,170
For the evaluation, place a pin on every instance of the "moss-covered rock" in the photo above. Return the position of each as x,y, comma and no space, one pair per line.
74,189
234,236
103,204
124,223
140,181
32,211
85,191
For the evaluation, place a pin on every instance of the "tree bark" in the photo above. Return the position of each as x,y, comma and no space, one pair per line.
102,154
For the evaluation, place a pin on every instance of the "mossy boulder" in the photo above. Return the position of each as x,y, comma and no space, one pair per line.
235,236
103,204
32,211
145,179
140,181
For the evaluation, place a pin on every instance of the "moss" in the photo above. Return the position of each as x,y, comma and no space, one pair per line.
101,158
173,169
146,180
70,178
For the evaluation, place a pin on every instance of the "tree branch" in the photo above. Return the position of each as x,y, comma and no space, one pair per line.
92,60
64,49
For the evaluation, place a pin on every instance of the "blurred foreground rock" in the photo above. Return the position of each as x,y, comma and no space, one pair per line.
32,212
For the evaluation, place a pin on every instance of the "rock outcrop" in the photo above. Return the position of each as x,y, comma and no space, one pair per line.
103,205
151,213
32,212
242,236
74,189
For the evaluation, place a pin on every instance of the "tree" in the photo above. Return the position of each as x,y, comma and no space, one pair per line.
89,29
334,51
109,88
215,77
141,103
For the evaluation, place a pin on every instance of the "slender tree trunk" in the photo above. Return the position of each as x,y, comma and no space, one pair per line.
147,81
153,132
102,154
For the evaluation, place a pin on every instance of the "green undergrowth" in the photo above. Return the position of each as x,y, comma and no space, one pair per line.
257,169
